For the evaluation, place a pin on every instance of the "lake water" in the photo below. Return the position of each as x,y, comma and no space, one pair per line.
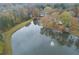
35,40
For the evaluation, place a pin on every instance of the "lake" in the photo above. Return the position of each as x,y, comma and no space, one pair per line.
36,40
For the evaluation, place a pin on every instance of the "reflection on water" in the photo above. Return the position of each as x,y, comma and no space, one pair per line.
35,39
52,43
62,38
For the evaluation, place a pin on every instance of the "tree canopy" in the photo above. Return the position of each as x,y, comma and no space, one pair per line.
65,17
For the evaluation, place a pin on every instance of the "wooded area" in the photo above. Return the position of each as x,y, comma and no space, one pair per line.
61,17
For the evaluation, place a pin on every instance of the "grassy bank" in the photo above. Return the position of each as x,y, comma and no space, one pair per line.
8,34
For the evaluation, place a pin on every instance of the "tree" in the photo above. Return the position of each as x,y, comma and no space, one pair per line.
74,24
47,22
61,6
3,23
65,17
48,10
40,6
1,37
54,15
6,21
76,10
35,12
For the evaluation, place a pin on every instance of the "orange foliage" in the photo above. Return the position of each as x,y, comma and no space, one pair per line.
47,22
61,28
35,12
74,24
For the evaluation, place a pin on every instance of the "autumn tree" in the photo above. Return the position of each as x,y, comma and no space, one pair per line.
47,22
65,17
35,12
54,15
74,23
48,10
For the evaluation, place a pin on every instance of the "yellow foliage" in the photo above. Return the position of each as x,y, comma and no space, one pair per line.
65,17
